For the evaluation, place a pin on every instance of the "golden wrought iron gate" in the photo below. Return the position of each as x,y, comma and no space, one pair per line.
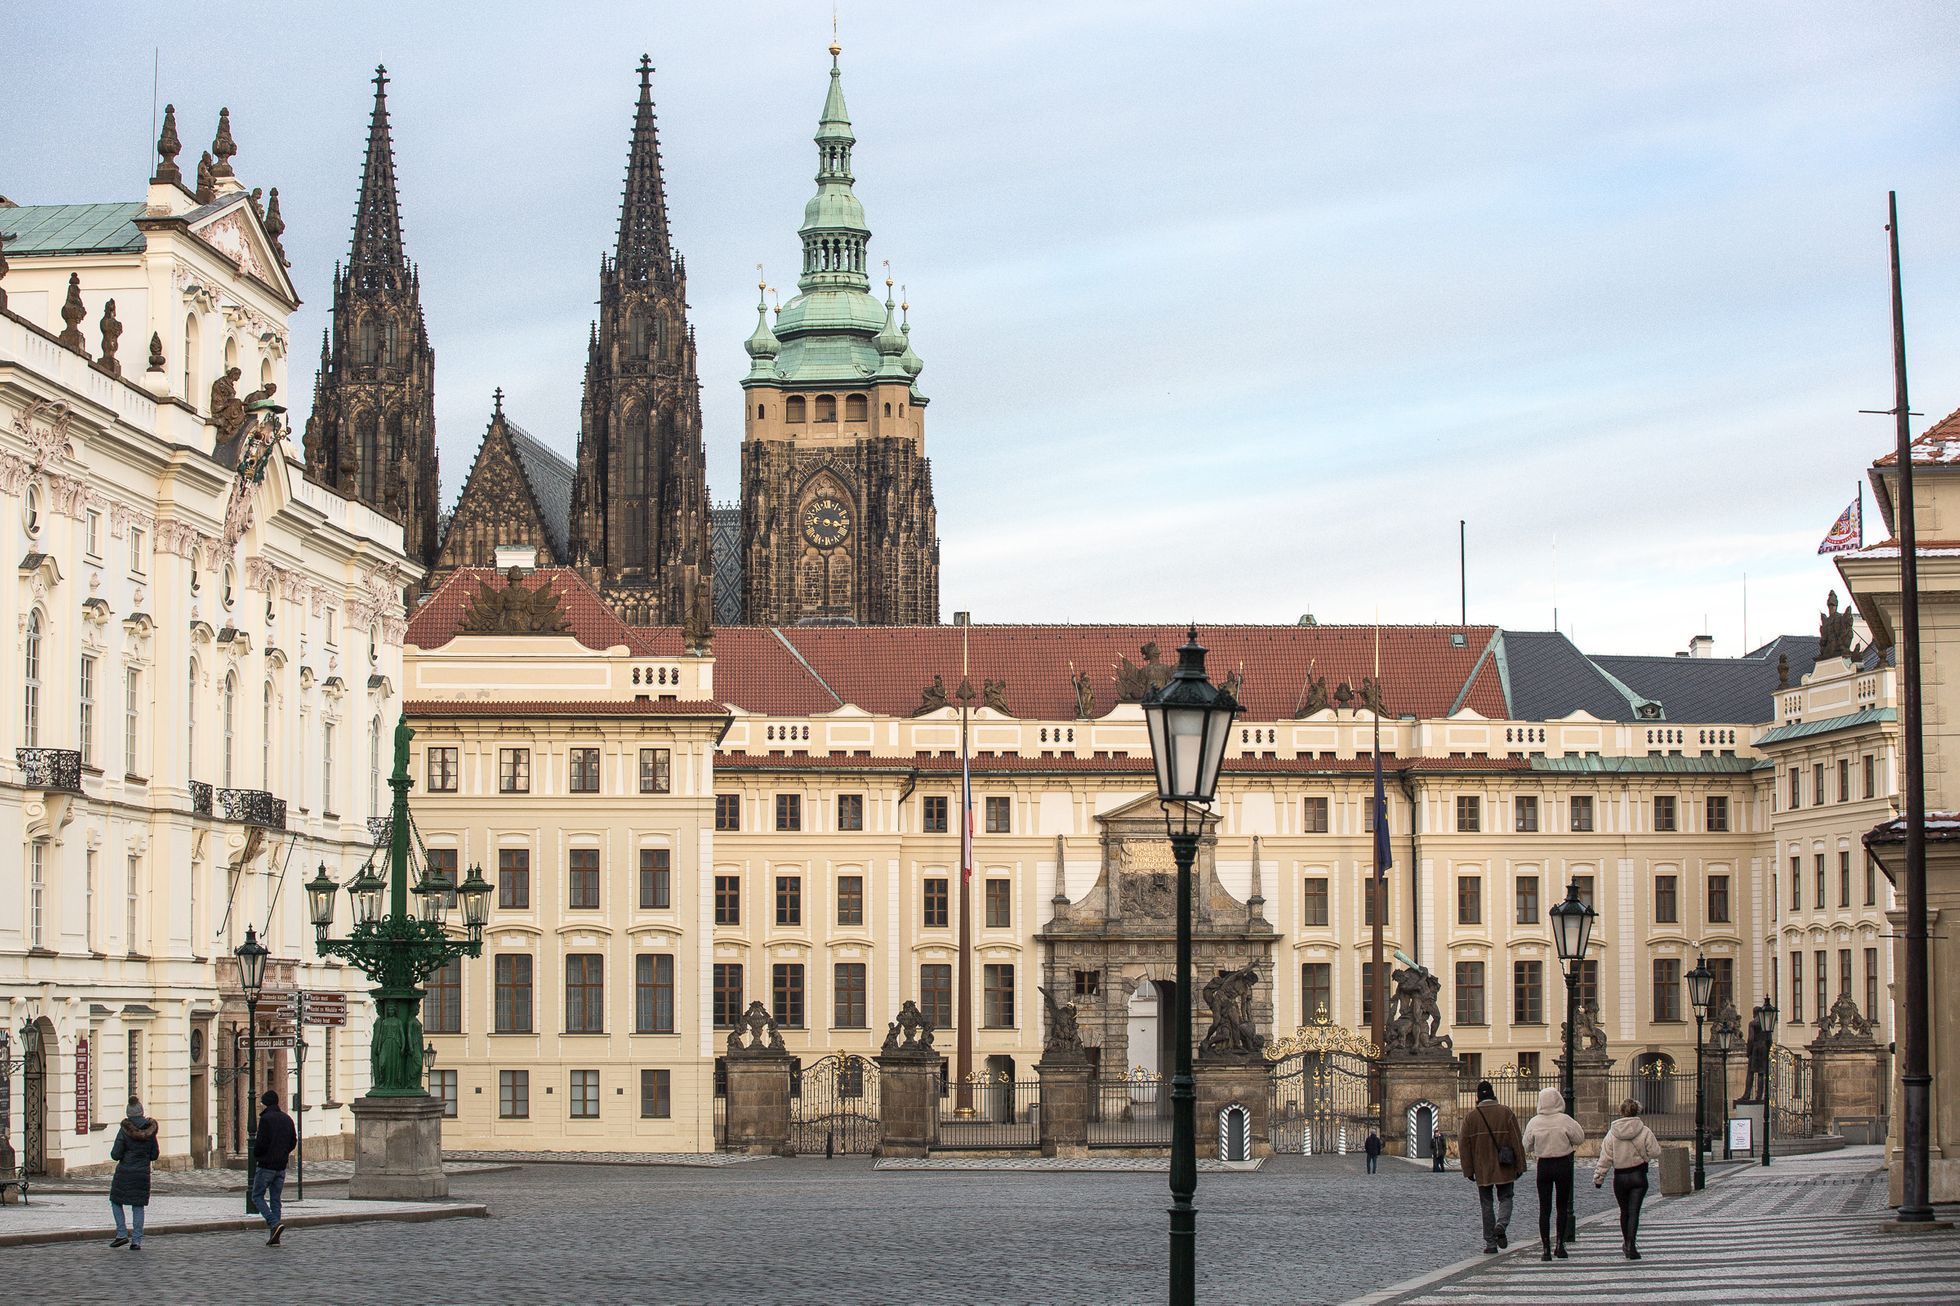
1322,1084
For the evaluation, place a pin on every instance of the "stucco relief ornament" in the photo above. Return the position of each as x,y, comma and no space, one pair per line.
44,425
514,610
68,497
227,236
13,473
195,292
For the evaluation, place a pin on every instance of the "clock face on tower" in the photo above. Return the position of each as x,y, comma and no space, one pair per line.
826,522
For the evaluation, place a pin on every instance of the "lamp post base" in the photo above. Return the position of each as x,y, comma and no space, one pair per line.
398,1150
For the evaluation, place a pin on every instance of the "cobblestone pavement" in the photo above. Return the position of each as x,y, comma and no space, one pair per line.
1302,1229
1809,1229
60,1217
699,1160
1089,1164
233,1181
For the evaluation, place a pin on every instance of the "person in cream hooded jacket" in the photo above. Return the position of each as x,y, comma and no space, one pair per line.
1551,1138
1625,1151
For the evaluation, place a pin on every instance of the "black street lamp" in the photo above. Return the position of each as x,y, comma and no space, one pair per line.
1572,924
1701,986
1190,720
1724,1038
1766,1017
251,956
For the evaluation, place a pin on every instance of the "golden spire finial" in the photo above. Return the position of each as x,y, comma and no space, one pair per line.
778,304
835,48
888,277
761,282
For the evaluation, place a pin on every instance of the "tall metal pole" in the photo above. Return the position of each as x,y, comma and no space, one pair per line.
1569,1226
299,1119
1463,571
1184,1090
1769,1095
963,1013
251,1100
1916,1081
1701,1110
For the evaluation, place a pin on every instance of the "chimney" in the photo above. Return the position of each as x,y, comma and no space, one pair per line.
962,618
517,555
1701,646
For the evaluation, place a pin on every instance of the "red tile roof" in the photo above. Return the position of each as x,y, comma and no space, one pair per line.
796,671
1937,446
568,707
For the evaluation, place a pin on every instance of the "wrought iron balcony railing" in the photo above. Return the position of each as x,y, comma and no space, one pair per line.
200,798
50,768
253,807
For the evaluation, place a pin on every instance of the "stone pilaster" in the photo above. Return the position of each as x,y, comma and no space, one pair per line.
1409,1081
758,1103
907,1084
1065,1089
1223,1084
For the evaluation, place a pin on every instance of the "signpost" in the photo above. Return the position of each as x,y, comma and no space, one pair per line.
317,1007
299,1120
82,1085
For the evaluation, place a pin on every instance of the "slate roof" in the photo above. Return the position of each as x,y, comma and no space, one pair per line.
551,478
1547,678
1805,729
1714,689
72,228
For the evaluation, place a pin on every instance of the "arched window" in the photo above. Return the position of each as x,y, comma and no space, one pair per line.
636,334
229,710
888,410
854,408
190,720
758,412
231,352
793,408
265,741
826,408
370,340
30,728
394,354
373,472
265,373
190,359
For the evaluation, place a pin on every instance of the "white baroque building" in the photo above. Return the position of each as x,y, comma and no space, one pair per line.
208,648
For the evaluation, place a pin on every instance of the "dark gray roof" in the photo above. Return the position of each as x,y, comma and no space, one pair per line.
551,478
1547,678
1714,689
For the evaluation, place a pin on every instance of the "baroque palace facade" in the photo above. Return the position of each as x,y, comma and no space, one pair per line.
207,656
680,826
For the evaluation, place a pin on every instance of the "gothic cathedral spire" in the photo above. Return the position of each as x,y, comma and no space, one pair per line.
372,433
640,526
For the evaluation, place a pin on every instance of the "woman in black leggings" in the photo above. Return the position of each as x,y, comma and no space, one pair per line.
1625,1151
1551,1138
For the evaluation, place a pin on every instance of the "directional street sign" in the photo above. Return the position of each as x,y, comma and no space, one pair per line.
317,1007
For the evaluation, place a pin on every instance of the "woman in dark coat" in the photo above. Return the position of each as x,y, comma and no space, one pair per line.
135,1147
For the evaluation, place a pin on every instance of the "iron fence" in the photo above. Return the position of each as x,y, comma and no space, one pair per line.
1006,1115
200,798
253,807
1133,1110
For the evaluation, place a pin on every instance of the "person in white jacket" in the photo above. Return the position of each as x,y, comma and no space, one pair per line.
1625,1151
1551,1138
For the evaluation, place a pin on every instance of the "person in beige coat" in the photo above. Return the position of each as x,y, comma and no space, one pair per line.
1625,1151
1551,1138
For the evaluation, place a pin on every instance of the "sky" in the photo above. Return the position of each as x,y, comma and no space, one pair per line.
1229,311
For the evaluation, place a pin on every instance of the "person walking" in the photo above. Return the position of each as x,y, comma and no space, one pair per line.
275,1142
1625,1151
1439,1151
1492,1151
1373,1147
135,1147
1551,1138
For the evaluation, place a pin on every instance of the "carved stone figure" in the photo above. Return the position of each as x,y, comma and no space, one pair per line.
261,394
4,238
111,337
1844,1023
1134,680
1085,696
1234,683
72,313
911,1032
275,227
207,183
699,630
1754,1087
932,697
1064,1036
1232,1036
1371,694
1782,670
1834,633
227,409
223,146
994,695
514,609
1414,1013
156,352
1316,700
1589,1036
756,1034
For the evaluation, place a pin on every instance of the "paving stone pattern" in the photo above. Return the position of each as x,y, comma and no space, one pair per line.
226,1181
698,1160
1302,1229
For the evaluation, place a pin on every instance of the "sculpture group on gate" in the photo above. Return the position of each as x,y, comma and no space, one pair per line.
1588,1035
911,1032
1844,1023
762,1033
1415,1016
1232,1036
1064,1037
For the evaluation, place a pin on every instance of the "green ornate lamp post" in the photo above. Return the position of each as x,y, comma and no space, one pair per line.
1766,1017
1701,987
251,956
1190,720
400,948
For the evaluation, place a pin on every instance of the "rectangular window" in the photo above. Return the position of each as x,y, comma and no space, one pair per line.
789,900
850,900
37,898
442,1087
1315,818
728,994
1817,784
1472,1064
1821,976
786,987
1372,888
937,913
1667,988
1871,881
999,815
1367,992
86,685
933,813
514,1093
1844,973
1470,993
656,879
1821,900
1582,813
585,770
997,988
1313,894
1316,989
850,811
585,993
326,768
1716,812
514,770
1844,877
442,1002
1664,813
1088,983
1528,1066
653,993
513,978
1871,987
1586,982
442,770
656,770
728,900
1796,884
789,811
1844,780
1718,899
1796,788
936,994
1528,992
583,864
1871,776
1667,901
1796,988
1000,904
848,1010
132,721
585,1095
139,552
656,1094
92,534
1469,813
1722,991
1527,900
728,811
1584,884
1524,811
514,878
1469,899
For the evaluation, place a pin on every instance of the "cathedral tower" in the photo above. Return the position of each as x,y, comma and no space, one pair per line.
836,491
372,432
640,505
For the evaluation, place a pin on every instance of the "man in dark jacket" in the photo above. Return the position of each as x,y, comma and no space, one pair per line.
1491,1147
1373,1147
272,1148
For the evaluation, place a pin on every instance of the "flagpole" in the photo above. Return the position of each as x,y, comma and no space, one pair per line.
1377,1026
963,1012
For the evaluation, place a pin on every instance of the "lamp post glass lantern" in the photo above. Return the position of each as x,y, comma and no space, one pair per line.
1190,720
251,956
1766,1017
1701,985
